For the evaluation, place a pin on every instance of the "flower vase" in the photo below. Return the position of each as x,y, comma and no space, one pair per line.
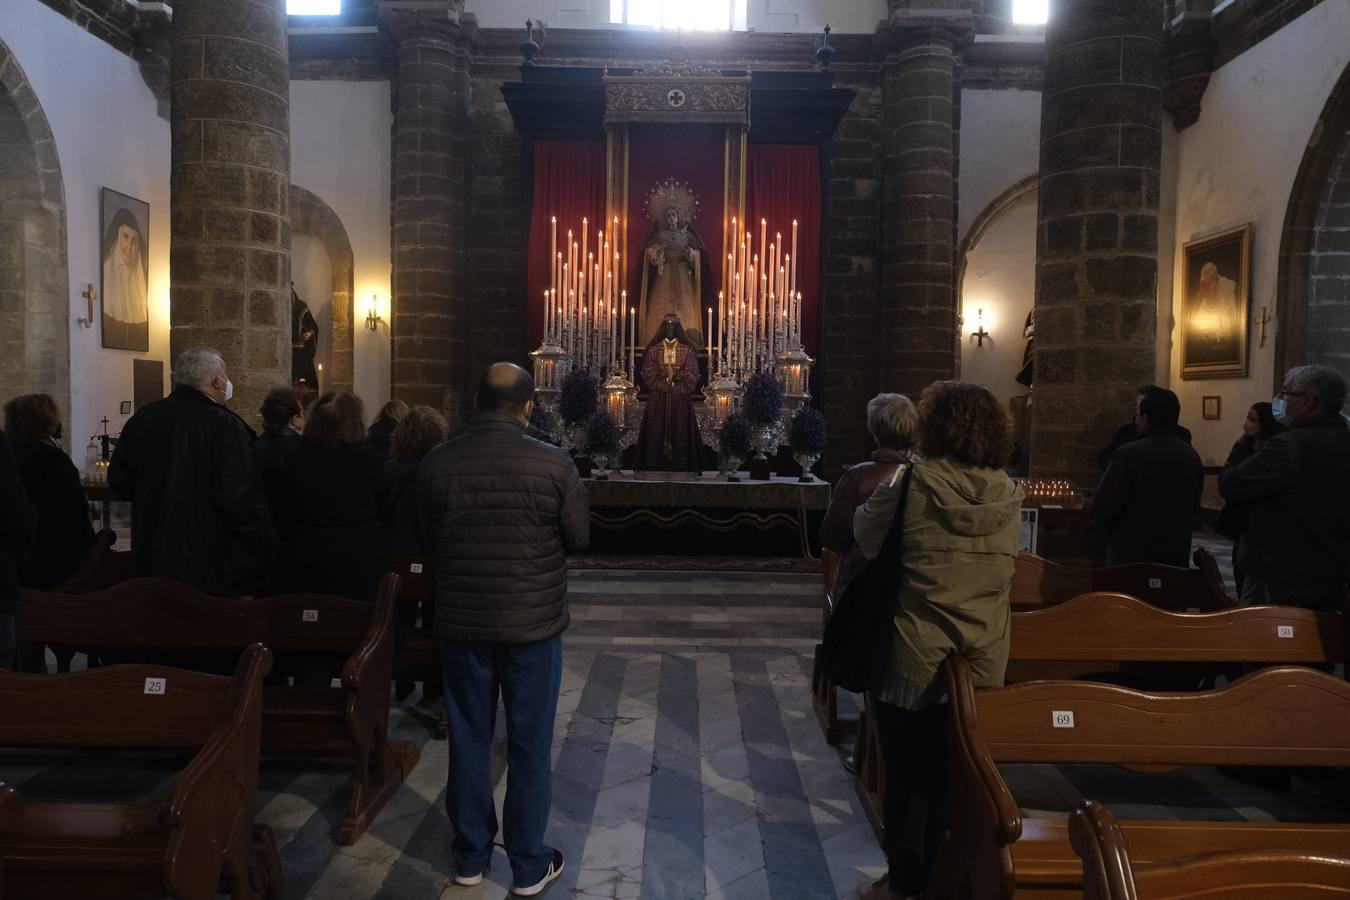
732,466
806,461
765,444
601,459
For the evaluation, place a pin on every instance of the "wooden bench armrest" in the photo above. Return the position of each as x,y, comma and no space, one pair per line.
369,670
11,809
1096,838
210,807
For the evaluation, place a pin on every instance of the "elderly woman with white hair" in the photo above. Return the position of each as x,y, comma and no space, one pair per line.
892,421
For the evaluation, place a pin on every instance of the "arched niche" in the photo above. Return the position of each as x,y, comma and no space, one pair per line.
1010,301
34,278
310,215
1313,293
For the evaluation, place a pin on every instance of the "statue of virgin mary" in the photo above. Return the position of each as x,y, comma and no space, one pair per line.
673,262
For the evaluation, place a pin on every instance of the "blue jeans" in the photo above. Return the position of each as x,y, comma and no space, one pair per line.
527,676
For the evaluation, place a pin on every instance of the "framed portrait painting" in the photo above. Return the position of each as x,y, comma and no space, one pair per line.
1216,305
124,226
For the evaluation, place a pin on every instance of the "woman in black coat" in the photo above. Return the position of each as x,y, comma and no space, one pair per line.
52,483
334,543
419,431
1259,427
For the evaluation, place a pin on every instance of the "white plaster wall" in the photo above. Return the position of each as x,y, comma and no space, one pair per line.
1000,145
108,134
1000,278
340,144
312,274
848,16
1236,165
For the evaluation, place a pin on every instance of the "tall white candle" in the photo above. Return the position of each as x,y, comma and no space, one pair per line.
792,285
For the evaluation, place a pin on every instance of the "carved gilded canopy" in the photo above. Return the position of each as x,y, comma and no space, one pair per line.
677,91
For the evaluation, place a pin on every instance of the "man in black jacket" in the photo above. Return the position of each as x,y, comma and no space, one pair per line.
1150,493
1297,486
498,512
18,522
187,464
1129,432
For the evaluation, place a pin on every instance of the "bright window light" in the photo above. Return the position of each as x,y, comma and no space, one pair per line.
313,7
1027,12
691,15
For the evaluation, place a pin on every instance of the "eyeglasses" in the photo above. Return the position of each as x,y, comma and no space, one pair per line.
1281,394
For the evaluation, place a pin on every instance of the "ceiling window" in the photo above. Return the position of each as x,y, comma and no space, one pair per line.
691,15
313,7
1030,12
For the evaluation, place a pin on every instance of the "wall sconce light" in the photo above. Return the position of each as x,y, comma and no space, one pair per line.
980,334
373,319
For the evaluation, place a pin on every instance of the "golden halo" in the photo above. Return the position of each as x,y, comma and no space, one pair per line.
672,193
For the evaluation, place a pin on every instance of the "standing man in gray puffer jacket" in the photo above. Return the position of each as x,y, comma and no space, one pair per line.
498,512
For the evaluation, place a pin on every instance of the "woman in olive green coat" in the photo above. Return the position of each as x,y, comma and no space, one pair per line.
959,540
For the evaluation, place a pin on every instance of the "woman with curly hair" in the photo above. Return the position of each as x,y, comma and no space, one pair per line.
420,430
959,526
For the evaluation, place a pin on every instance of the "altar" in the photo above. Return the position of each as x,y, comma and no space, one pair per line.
674,513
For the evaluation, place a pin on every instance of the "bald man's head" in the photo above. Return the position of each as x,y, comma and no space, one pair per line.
506,389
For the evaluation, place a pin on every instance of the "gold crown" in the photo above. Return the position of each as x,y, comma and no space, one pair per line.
672,193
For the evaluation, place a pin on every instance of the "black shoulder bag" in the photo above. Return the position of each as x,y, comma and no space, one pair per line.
857,642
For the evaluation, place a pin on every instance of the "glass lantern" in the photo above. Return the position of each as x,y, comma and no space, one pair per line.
551,363
619,396
793,368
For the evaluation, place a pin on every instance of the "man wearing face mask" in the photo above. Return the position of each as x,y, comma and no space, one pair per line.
1297,544
187,465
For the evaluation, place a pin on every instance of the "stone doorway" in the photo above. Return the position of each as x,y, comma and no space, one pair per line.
34,294
1314,287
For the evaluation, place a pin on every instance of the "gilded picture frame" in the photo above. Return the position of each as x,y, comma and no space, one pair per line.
1215,305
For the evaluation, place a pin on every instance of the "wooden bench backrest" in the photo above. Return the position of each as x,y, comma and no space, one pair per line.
209,809
1104,627
1287,715
1039,582
156,612
414,576
1108,873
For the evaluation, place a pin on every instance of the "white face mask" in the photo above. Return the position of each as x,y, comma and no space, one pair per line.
229,390
1279,411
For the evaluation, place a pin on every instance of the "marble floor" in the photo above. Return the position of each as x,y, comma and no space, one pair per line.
687,764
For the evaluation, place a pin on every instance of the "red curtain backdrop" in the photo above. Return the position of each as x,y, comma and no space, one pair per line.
782,183
569,182
693,154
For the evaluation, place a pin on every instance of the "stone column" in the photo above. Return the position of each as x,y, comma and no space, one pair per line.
1097,236
429,208
230,233
918,246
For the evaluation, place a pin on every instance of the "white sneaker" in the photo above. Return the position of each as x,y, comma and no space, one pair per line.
555,869
469,880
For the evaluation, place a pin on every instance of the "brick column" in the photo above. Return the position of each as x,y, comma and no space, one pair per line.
918,246
1097,240
231,170
429,210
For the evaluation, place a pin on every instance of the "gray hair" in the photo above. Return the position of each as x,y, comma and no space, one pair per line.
1323,383
196,367
892,421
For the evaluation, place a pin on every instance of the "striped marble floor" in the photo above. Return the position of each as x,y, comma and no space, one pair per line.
687,764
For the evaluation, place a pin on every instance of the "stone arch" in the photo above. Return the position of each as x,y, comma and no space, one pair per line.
1019,190
34,276
1313,292
310,215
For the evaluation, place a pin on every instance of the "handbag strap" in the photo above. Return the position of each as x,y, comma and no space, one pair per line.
891,546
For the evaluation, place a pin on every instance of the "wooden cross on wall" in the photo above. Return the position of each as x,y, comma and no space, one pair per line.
1262,322
90,295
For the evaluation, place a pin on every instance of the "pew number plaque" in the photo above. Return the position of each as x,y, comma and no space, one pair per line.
1284,631
156,685
309,615
1061,718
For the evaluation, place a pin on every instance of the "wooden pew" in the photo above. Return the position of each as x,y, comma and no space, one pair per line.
101,567
1039,582
416,657
1105,635
196,840
824,695
1285,716
351,720
1110,874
